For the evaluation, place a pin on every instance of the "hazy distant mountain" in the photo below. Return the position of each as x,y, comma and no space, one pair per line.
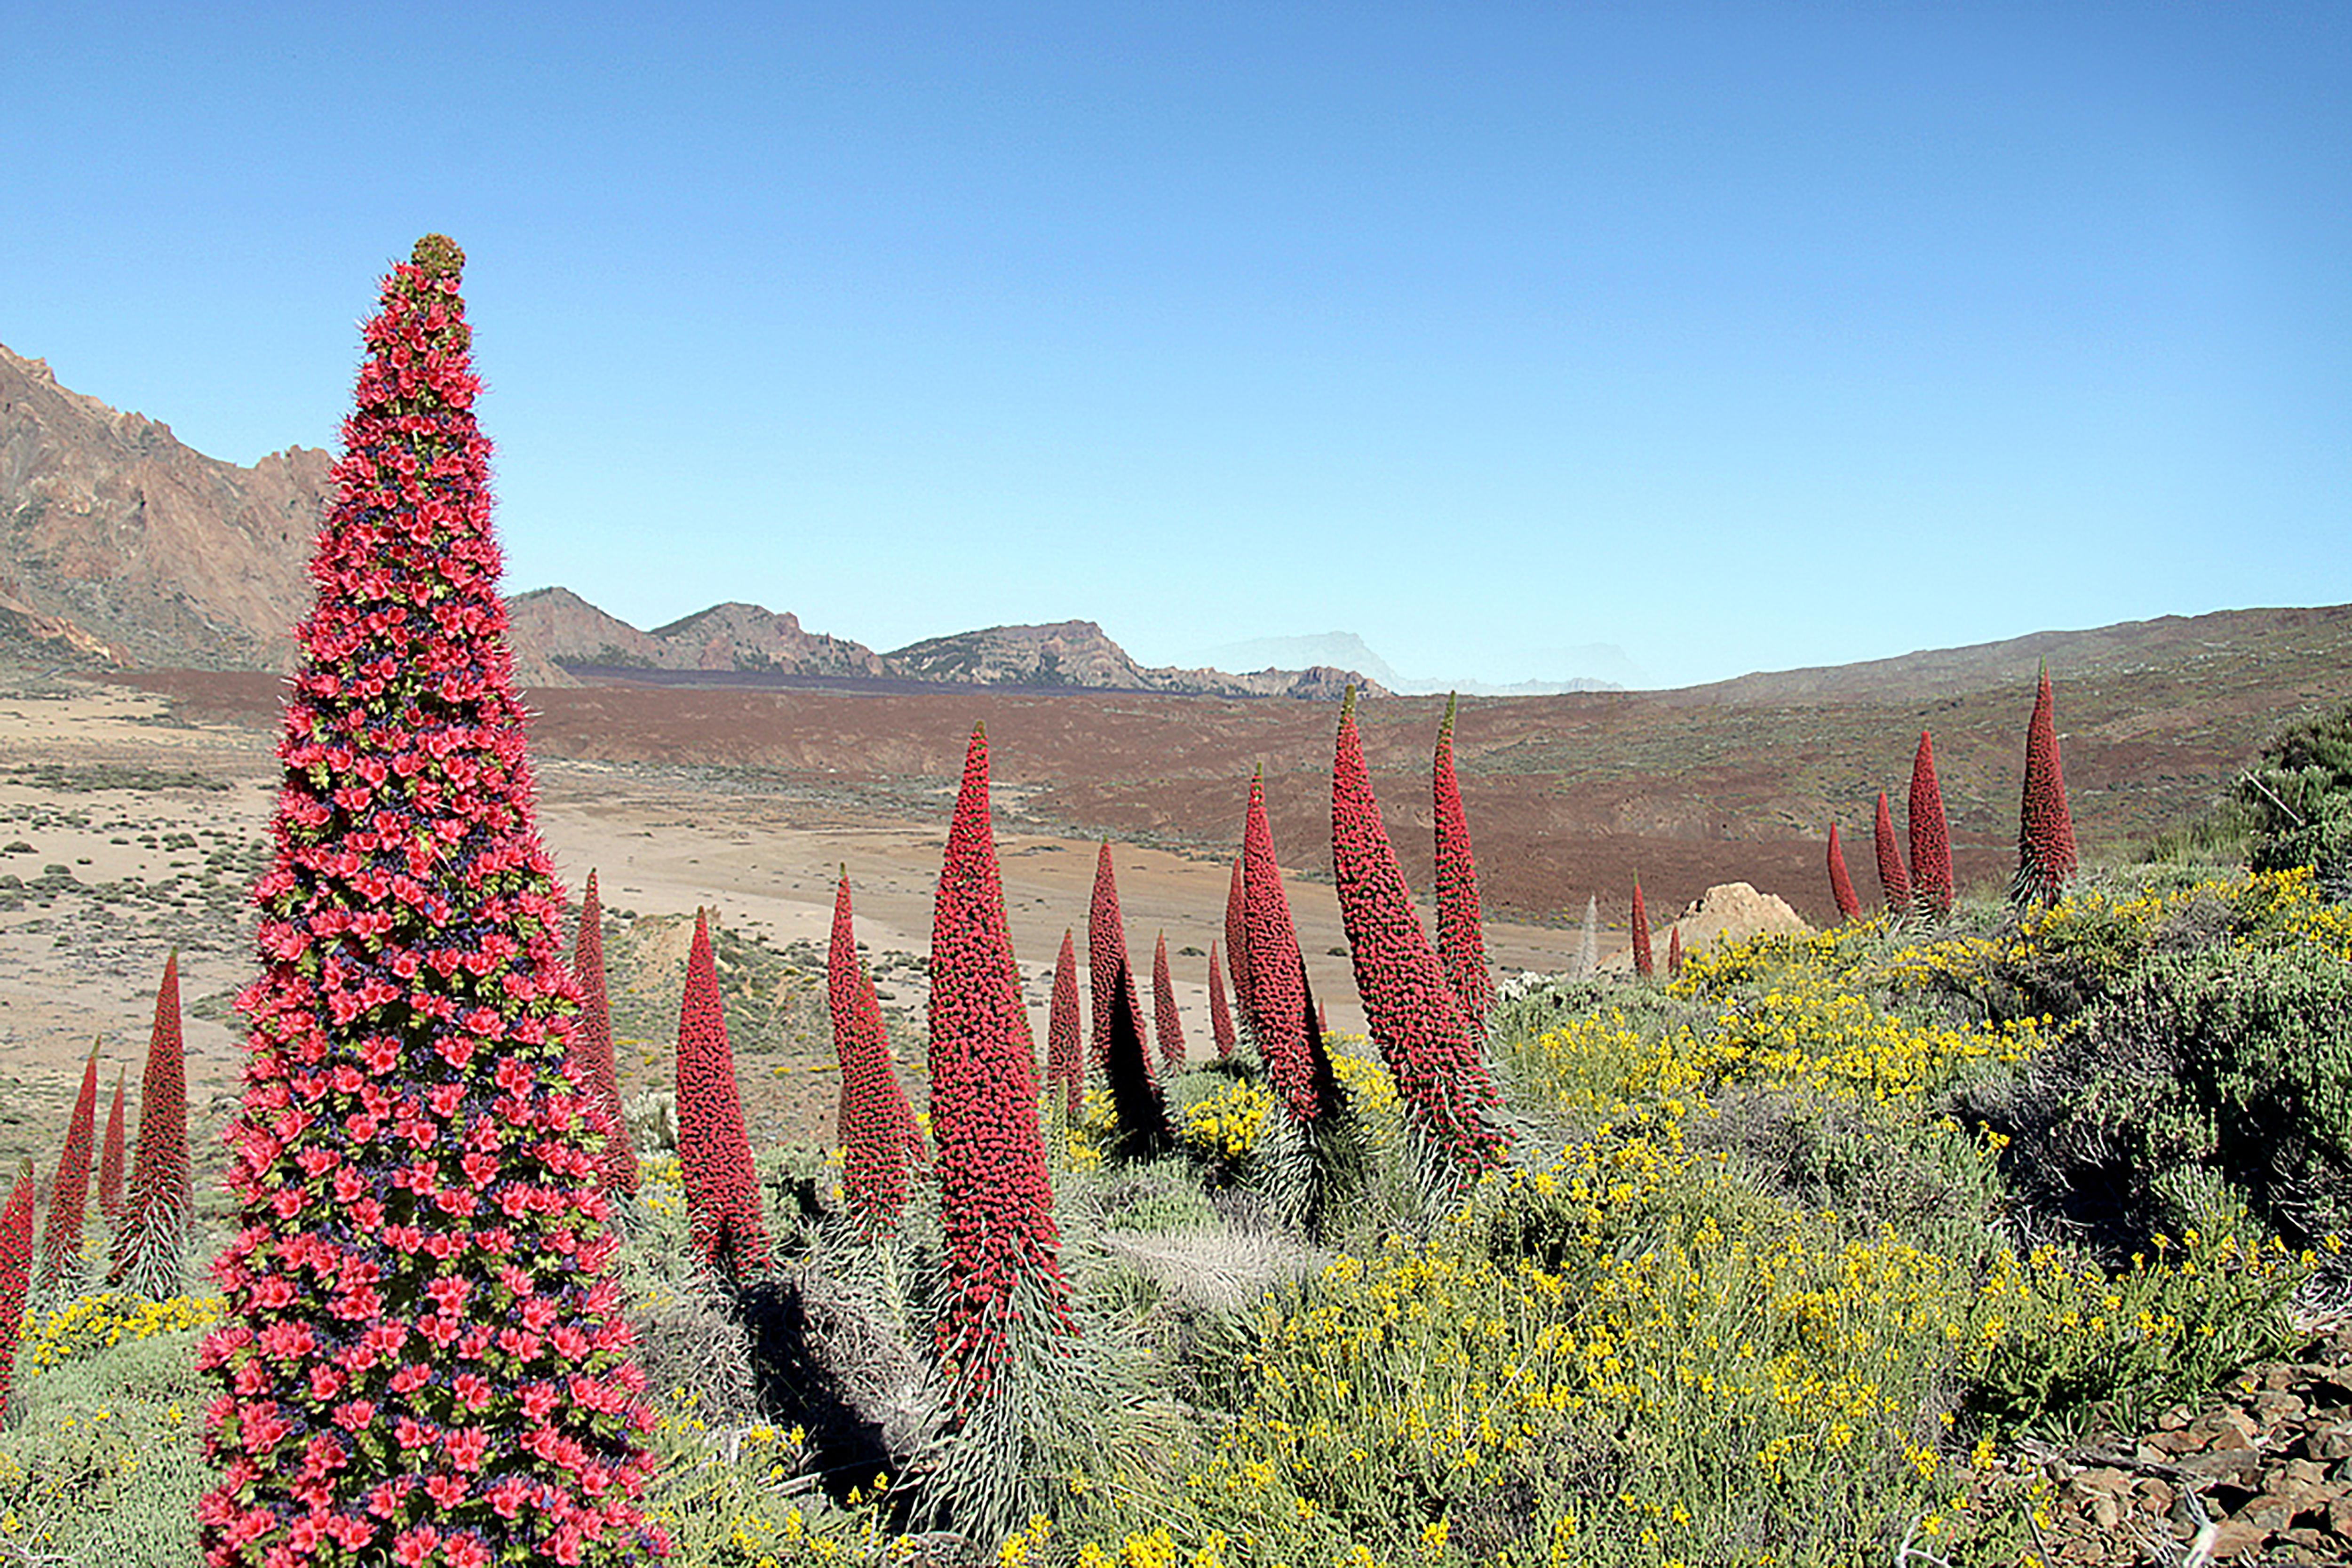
1601,667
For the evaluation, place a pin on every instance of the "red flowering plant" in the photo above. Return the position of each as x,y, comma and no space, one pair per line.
1893,879
1461,936
1237,939
1931,836
1166,1027
1424,1035
1003,1303
1849,907
1106,967
1674,951
150,1241
714,1154
882,1143
1645,963
1137,1103
61,1267
110,1159
592,1046
2046,861
1221,1014
1065,1068
16,1271
1275,997
426,1359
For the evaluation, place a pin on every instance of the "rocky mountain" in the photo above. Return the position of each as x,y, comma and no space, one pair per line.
1078,654
121,544
749,638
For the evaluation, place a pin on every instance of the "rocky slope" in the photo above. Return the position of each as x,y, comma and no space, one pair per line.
1078,654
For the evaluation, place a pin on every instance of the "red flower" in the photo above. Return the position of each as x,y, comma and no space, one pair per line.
110,1160
1416,1020
1065,1067
70,1193
880,1140
16,1271
1220,1016
155,1216
996,1207
714,1156
1276,996
1106,955
1893,880
2045,828
592,1046
1644,963
1166,1025
1461,936
1931,837
409,1117
1841,885
1237,939
1673,951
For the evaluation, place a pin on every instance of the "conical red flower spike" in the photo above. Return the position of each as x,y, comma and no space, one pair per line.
1931,837
1841,885
70,1193
427,1357
1893,880
996,1206
1674,951
1416,1020
1167,1028
1065,1068
16,1271
882,1141
596,1071
714,1154
111,1159
1276,992
1237,939
156,1212
1461,936
1106,955
1220,1016
1643,962
2045,827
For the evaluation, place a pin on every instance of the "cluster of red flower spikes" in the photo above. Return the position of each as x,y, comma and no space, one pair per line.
714,1153
1065,1068
426,1359
1004,1281
881,1143
592,1045
1461,936
1424,1036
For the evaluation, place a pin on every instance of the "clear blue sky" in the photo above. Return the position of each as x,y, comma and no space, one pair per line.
1741,336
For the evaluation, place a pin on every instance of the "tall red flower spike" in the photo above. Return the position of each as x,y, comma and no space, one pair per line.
1220,1016
1461,936
1674,951
1893,880
1275,997
1424,1036
883,1142
1849,907
1237,938
156,1214
595,1068
1643,962
16,1271
70,1193
427,1357
714,1154
1931,837
110,1159
1166,1027
1065,1068
996,1206
2045,828
1106,955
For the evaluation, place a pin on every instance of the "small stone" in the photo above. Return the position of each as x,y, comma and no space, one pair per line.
2238,1537
2174,1419
2271,1511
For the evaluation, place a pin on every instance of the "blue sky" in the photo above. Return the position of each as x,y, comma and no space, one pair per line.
1739,337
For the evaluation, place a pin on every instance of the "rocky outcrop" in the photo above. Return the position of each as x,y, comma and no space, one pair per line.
1078,654
749,637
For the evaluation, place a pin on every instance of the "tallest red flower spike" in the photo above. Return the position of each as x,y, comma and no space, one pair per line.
996,1205
70,1193
2045,828
1931,836
1418,1023
426,1356
1461,936
156,1214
